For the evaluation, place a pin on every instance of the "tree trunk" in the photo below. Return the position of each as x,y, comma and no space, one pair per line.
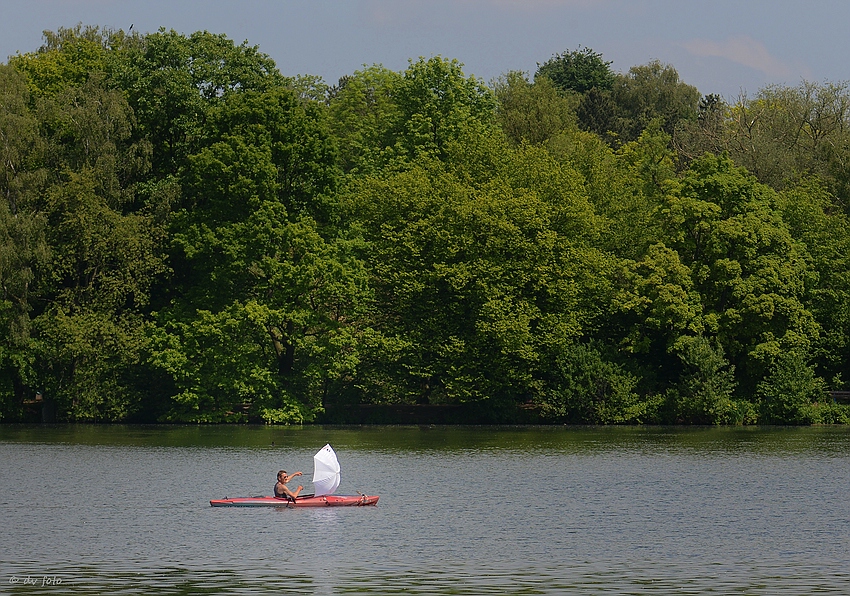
285,349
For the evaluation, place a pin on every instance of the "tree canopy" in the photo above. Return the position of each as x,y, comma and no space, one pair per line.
187,235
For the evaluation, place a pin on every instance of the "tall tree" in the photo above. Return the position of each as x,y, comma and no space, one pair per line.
436,101
172,81
817,220
533,112
787,132
478,279
650,92
87,333
66,59
365,116
751,274
23,248
578,70
269,287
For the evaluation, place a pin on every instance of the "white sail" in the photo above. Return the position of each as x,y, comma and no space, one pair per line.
325,471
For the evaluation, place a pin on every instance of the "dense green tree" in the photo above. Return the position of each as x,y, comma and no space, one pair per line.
436,101
23,249
364,115
101,268
652,92
275,353
91,128
267,283
749,271
626,187
23,252
172,81
597,113
384,119
584,385
816,219
72,187
479,281
533,112
661,319
578,70
66,60
658,295
789,390
706,388
259,147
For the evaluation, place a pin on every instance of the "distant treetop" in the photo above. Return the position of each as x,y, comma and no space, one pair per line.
579,70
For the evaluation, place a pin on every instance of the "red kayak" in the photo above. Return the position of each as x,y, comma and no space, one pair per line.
325,482
306,501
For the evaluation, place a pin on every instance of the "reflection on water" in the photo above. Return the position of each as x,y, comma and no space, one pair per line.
458,579
477,510
441,438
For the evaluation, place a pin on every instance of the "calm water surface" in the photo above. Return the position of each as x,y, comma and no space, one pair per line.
484,510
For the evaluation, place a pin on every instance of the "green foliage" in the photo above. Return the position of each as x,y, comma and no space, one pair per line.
817,220
90,128
84,361
223,369
436,101
262,319
789,390
186,235
579,70
66,60
597,113
275,352
749,271
533,112
101,268
706,134
84,262
173,81
705,392
583,386
658,296
24,252
365,115
478,280
652,92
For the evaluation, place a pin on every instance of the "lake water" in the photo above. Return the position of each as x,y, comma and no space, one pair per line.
482,510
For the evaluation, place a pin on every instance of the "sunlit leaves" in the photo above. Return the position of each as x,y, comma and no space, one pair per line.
66,60
481,280
750,272
533,112
365,116
435,100
413,237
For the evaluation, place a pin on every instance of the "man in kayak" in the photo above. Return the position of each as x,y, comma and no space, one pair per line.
281,490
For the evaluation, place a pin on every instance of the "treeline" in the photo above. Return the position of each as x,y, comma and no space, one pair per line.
188,235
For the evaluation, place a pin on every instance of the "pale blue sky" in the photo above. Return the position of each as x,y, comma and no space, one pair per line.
720,46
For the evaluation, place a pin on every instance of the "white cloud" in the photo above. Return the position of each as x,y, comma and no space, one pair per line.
742,50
